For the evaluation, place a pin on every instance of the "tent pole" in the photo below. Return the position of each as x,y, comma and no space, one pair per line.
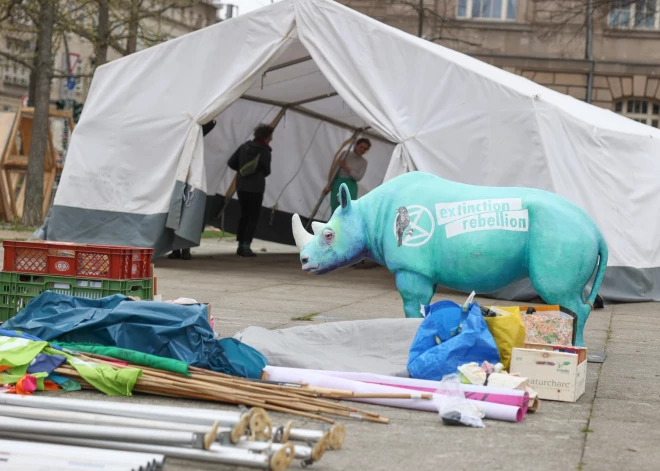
313,114
232,188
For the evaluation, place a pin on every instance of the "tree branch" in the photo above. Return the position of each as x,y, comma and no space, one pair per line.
17,59
10,9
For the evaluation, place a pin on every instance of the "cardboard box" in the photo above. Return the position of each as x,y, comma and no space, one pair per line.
555,375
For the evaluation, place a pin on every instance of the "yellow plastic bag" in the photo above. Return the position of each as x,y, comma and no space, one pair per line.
508,330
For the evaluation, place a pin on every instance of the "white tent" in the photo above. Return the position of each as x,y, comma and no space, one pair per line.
138,171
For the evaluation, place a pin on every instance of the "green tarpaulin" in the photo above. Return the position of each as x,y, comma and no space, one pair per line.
130,356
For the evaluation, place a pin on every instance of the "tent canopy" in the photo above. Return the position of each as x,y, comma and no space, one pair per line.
138,171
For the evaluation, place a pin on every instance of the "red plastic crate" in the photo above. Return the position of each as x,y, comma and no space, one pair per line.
80,260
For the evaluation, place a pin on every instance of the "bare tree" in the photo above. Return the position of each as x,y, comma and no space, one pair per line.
34,182
438,24
49,21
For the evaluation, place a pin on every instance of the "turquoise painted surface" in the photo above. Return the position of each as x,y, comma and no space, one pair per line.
429,231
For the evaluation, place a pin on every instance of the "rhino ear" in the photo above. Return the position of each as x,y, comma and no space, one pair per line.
344,196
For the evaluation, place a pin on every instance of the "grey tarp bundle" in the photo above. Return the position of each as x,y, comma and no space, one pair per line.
378,346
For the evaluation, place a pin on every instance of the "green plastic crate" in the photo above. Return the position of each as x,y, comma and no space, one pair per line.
18,289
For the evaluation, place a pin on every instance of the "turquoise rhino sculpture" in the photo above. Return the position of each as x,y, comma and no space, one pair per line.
432,232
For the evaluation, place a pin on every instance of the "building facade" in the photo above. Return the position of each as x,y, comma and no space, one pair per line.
14,77
614,65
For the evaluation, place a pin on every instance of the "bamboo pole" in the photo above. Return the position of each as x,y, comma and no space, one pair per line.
185,393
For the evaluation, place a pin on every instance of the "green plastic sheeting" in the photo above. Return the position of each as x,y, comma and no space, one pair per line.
103,377
131,356
15,351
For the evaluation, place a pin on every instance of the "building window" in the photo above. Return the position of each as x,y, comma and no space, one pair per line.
502,10
643,14
642,111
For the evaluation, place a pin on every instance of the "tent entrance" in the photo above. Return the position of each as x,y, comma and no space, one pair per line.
313,122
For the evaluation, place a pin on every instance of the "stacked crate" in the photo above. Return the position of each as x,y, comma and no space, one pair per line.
90,271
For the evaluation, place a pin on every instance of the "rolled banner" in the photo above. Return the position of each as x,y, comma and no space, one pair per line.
298,375
521,401
512,397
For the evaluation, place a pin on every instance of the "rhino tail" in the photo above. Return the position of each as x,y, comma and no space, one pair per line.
600,273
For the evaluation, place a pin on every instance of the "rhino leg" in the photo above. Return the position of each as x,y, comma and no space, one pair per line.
560,272
415,289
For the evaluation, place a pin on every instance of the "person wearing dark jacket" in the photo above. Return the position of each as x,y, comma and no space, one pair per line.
252,163
185,253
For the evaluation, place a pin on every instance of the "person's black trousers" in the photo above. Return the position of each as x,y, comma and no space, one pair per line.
250,208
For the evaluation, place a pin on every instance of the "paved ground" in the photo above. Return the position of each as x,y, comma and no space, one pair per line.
614,426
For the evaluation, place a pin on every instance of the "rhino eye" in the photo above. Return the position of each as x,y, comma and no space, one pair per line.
328,237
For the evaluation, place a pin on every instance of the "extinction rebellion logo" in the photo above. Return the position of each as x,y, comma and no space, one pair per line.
420,228
461,217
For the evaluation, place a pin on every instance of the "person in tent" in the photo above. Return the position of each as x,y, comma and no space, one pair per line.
252,163
185,253
352,167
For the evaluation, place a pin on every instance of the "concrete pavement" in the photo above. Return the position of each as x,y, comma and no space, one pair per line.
614,426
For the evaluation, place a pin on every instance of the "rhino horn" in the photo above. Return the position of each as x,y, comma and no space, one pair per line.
317,227
301,236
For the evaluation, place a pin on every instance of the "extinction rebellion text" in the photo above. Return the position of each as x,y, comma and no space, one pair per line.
482,215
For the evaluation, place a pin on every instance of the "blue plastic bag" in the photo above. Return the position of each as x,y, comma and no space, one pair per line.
163,329
450,336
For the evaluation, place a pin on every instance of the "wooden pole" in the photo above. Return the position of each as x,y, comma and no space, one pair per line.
334,169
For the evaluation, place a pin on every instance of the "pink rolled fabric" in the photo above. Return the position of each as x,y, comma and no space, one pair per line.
521,401
492,410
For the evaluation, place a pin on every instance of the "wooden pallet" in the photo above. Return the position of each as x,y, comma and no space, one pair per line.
15,137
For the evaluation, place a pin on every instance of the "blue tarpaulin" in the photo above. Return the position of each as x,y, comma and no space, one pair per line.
450,336
163,329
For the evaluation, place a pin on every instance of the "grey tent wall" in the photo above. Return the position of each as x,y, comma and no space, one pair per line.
91,226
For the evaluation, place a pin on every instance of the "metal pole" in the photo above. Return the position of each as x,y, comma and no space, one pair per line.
306,453
335,437
232,434
144,460
278,461
15,461
126,409
180,415
420,25
160,437
589,48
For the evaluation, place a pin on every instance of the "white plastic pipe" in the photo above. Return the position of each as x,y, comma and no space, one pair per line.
72,461
161,437
115,456
138,461
306,435
52,415
204,417
17,462
126,409
224,455
303,452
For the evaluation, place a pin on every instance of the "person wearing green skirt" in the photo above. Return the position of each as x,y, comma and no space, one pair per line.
352,167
